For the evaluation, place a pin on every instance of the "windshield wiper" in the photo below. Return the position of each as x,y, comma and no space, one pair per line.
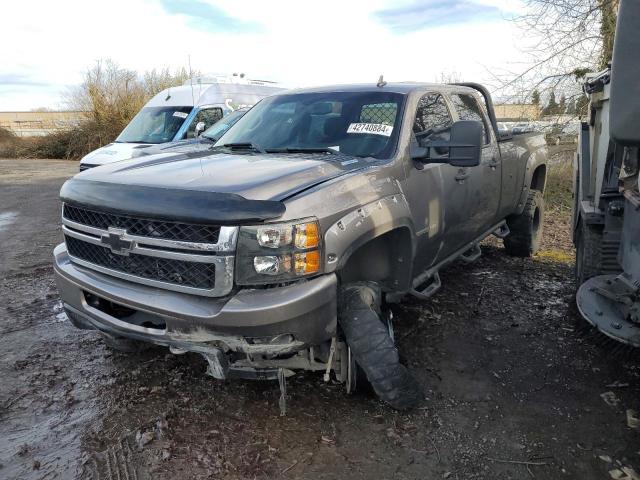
243,146
302,150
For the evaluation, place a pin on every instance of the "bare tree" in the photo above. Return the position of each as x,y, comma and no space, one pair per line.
567,39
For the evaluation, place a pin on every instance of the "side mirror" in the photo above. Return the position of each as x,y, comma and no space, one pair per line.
464,146
200,127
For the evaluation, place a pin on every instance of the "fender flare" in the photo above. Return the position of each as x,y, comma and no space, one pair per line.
366,223
534,159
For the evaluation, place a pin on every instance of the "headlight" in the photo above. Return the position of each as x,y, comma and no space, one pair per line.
278,252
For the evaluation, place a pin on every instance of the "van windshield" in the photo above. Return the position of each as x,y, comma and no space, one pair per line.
361,124
154,125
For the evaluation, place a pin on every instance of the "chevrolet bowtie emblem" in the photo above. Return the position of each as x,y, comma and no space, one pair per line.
116,242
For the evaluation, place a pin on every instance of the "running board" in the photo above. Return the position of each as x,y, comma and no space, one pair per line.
472,254
468,254
432,287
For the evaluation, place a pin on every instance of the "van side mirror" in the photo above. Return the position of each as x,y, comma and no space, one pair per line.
464,147
200,127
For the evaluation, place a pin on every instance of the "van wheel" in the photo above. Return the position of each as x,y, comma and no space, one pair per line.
526,229
123,344
588,257
373,348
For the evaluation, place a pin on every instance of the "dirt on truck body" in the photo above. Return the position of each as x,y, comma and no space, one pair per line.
512,382
280,248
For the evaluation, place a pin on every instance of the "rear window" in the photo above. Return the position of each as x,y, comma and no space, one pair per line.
468,108
382,113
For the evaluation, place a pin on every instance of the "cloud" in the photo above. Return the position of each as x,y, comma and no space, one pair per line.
208,17
425,14
19,79
293,42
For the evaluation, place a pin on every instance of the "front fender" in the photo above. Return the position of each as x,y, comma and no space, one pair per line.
367,223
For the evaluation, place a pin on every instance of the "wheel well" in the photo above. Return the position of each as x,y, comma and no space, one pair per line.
385,260
539,178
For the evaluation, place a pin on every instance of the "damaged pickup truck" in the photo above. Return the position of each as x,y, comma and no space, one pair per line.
282,246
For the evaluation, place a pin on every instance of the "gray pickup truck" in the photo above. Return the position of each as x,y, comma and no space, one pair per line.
281,247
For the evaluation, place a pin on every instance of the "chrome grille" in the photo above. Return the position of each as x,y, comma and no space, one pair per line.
124,247
167,230
177,272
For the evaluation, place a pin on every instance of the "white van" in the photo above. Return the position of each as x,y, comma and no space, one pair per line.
179,113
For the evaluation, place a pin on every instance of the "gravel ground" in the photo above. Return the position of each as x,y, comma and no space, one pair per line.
513,377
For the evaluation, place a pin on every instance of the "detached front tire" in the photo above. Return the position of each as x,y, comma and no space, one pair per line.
374,349
526,229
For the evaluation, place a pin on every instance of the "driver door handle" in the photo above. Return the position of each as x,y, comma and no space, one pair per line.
462,174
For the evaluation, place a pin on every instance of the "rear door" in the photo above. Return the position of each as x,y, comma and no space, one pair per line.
484,182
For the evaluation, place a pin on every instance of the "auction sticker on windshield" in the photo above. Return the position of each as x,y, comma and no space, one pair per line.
180,114
371,128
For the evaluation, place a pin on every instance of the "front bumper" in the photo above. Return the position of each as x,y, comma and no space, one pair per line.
268,321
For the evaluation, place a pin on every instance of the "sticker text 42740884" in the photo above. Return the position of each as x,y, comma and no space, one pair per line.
370,128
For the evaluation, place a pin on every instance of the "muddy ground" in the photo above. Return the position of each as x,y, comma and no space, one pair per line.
513,378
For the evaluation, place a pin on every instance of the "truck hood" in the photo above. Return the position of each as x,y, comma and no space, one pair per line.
179,146
113,152
252,175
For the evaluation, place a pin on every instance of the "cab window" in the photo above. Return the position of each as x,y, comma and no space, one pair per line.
468,108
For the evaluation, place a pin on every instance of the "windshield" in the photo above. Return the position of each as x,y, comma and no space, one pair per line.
215,131
361,124
154,125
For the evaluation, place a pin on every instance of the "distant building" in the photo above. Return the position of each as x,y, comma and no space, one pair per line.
516,112
32,124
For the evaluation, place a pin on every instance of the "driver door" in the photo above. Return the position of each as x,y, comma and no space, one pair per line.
437,194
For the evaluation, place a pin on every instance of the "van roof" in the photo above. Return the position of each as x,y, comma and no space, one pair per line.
212,93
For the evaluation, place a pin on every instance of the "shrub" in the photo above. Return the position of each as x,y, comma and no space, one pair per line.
110,96
8,143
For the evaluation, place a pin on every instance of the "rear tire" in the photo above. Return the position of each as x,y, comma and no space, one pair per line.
373,348
588,253
123,344
526,229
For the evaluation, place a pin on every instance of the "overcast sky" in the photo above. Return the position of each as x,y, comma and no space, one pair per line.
47,45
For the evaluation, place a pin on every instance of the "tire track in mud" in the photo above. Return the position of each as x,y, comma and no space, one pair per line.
115,463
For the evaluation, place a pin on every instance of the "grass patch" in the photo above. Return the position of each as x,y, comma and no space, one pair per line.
559,189
555,256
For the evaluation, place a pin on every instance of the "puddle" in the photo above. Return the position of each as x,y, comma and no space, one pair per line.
6,219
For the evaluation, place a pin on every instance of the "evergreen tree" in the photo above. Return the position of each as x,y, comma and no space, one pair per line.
535,97
562,107
552,106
